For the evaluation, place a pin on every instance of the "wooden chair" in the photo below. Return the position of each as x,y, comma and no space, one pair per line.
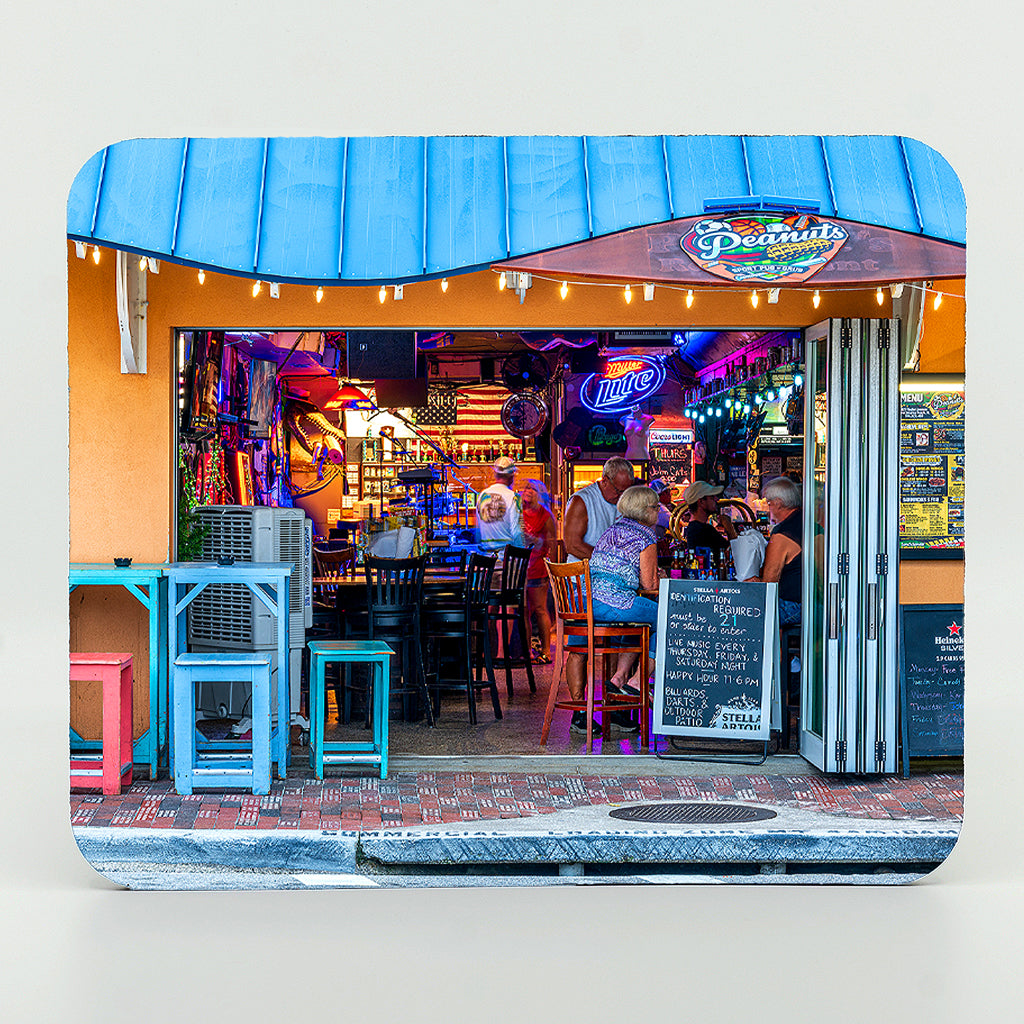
574,617
332,564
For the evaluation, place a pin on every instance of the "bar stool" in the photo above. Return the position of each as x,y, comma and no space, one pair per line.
114,673
224,767
508,605
377,657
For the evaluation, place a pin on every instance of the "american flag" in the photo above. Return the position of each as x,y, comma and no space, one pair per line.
477,417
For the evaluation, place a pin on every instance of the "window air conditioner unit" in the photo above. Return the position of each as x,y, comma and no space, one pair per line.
228,616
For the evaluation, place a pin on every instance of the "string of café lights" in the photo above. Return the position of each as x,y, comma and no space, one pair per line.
512,282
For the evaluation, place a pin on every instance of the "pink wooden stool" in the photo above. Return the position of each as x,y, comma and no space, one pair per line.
114,671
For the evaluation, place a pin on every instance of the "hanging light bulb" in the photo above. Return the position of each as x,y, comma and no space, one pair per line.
564,290
746,410
689,299
710,409
444,284
771,395
718,412
202,276
879,296
938,300
628,293
817,298
728,403
382,294
798,379
320,293
143,263
701,419
501,281
754,299
688,413
758,400
256,288
95,254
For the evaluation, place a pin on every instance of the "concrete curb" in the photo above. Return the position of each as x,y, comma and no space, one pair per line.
395,848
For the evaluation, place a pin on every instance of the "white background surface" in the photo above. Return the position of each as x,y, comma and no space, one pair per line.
78,76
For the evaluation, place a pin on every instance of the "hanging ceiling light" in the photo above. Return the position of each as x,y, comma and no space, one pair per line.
348,396
628,294
564,290
320,293
95,254
502,280
256,288
444,284
689,299
938,300
202,276
382,294
817,298
754,299
879,296
143,263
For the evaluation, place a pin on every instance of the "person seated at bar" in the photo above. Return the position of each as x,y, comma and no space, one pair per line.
783,557
499,513
591,510
624,560
664,493
539,524
702,500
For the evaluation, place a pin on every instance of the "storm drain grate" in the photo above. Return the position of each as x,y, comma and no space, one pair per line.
692,814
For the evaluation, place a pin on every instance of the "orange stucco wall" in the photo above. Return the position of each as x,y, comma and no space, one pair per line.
943,331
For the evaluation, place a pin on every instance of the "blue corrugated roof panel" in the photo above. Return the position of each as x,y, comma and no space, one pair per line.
220,203
392,209
383,233
940,196
300,225
140,193
790,166
547,195
704,167
465,202
870,180
626,179
82,196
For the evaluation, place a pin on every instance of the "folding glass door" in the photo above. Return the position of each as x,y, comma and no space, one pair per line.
851,562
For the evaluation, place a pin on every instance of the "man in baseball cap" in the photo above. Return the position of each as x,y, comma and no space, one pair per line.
702,499
499,512
664,493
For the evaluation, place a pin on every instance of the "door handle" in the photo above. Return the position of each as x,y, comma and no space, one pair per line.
833,611
872,611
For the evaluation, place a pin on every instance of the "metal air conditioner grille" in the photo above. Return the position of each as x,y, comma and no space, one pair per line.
290,540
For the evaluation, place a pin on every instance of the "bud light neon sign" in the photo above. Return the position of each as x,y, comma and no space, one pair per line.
626,381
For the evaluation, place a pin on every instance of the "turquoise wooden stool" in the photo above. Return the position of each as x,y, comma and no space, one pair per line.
377,656
224,768
114,765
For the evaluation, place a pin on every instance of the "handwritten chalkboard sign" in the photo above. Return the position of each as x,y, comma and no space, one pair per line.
714,665
932,681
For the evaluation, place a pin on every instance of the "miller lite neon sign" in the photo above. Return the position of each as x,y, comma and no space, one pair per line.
626,381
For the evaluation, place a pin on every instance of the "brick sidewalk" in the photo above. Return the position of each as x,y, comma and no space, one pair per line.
434,798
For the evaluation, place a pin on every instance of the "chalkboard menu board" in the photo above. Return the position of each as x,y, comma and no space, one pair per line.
932,473
932,681
672,463
714,662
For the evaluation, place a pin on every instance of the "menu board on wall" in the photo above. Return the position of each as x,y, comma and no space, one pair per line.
714,664
932,473
672,462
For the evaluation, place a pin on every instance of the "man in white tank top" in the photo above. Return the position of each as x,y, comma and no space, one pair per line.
591,510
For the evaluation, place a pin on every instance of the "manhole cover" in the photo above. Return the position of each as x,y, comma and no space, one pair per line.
692,814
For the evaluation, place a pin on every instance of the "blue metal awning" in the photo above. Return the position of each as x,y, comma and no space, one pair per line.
394,209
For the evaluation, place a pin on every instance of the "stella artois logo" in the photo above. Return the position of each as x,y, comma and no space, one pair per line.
769,247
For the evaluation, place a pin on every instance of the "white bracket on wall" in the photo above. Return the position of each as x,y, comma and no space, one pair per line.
130,281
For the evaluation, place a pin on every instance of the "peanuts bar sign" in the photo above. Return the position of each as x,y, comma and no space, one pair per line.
764,248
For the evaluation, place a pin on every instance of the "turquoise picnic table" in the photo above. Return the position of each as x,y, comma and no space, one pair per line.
147,583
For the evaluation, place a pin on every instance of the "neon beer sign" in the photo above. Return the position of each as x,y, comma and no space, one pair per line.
626,381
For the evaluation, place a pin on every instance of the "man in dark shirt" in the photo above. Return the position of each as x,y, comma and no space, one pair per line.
702,499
